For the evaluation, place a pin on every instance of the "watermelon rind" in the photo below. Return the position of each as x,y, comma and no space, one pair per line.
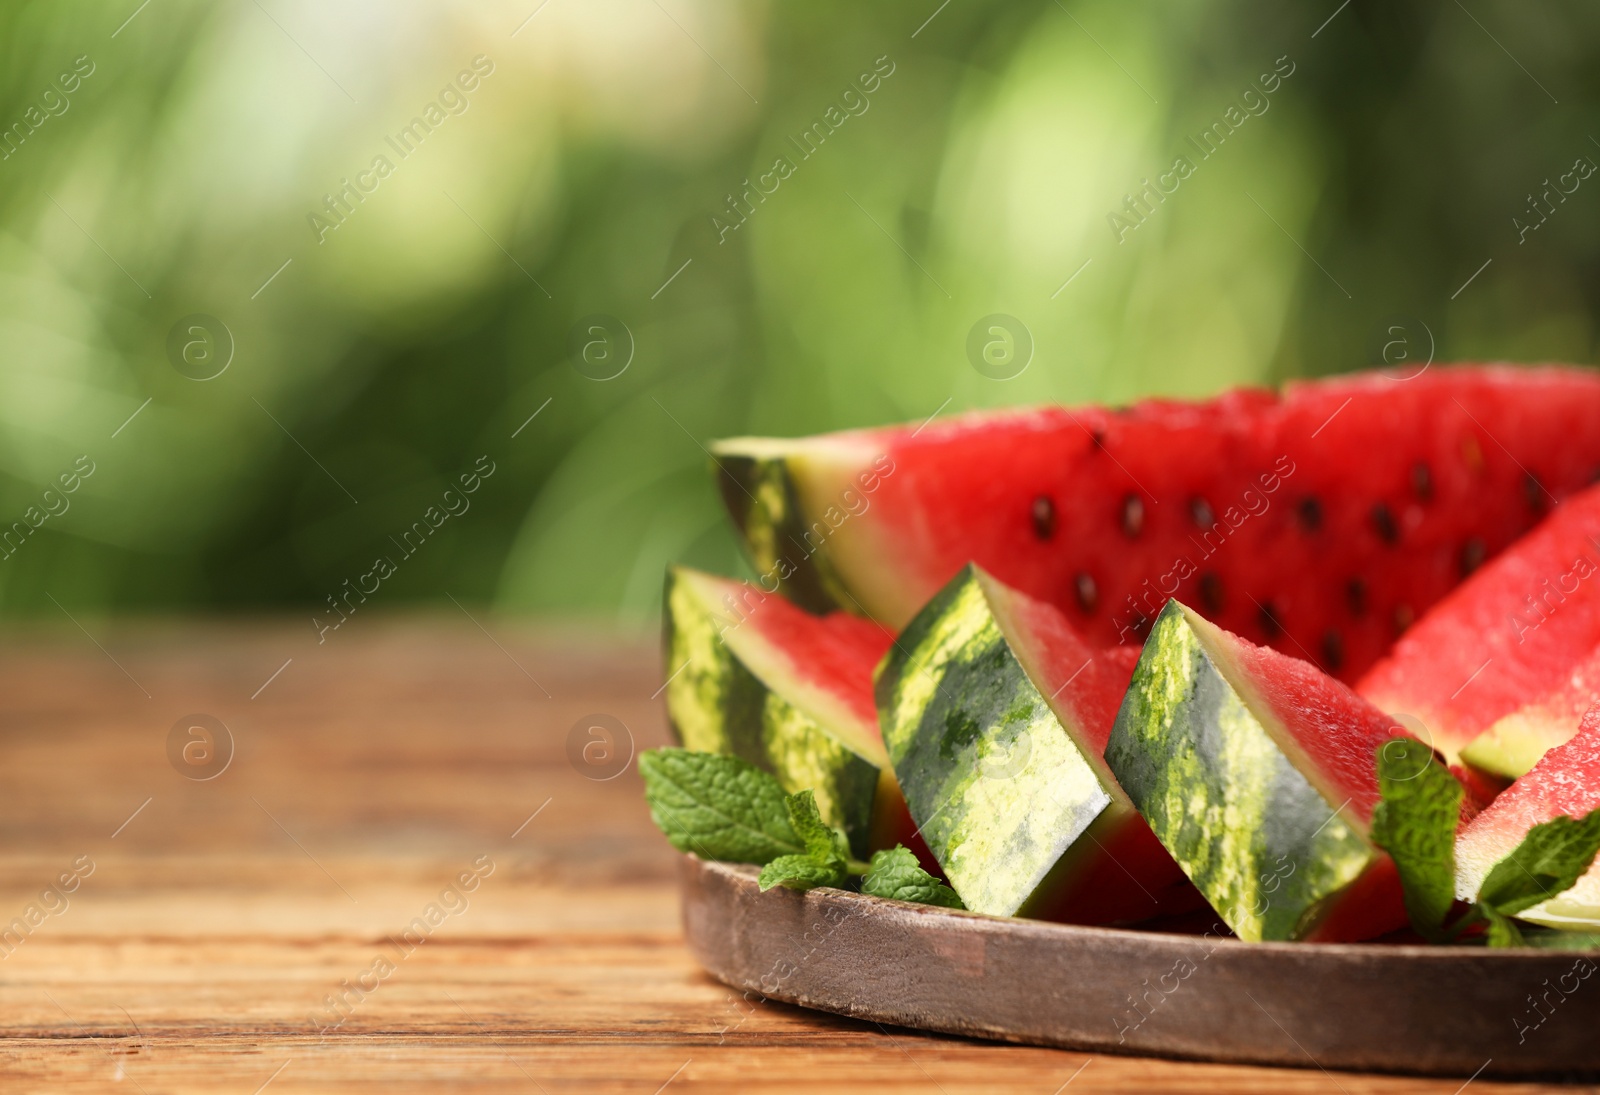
1512,746
792,502
1002,792
1217,778
728,698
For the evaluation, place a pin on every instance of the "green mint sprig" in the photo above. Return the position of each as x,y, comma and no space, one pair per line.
826,859
1550,859
895,873
722,808
1415,822
718,807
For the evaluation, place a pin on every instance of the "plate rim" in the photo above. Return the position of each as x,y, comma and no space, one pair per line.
1370,1007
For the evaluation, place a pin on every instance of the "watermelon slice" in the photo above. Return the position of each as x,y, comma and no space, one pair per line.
791,693
1566,781
1321,521
995,714
1258,772
1504,667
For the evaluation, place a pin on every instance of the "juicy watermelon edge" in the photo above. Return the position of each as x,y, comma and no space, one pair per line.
954,802
1513,745
716,704
762,495
1256,837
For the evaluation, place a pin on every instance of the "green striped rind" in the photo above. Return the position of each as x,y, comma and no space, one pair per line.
760,494
996,784
1252,833
716,705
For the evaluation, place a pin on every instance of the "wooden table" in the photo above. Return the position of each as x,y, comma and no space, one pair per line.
211,922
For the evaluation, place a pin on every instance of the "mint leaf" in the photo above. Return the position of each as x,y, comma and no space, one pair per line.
1502,930
1548,861
1415,822
895,873
717,807
826,861
800,872
822,843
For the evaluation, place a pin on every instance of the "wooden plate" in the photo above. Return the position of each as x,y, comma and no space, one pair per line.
1437,1010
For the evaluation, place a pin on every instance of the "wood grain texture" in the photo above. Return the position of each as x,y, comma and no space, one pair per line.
201,952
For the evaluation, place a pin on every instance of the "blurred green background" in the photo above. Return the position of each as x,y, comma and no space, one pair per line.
590,172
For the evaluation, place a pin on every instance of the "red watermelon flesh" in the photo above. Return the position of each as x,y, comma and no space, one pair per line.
827,661
1511,658
1338,735
1320,521
1085,683
1566,782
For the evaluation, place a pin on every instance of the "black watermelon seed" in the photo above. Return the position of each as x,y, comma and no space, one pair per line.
1141,627
1332,650
1097,437
1421,481
1044,517
1132,515
1200,510
1533,490
1269,621
1473,553
1403,618
1211,594
1383,524
1087,592
1310,513
1355,595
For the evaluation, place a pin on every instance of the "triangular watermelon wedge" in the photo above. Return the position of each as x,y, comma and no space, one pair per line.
1504,667
995,714
1565,782
1321,521
751,675
1258,772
